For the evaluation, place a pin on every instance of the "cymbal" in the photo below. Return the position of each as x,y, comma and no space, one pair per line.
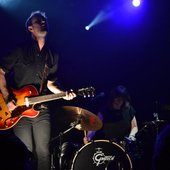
86,120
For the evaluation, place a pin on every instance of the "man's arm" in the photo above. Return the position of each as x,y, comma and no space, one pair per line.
54,89
5,93
134,128
3,86
91,134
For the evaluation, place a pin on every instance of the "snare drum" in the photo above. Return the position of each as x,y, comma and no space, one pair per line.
101,155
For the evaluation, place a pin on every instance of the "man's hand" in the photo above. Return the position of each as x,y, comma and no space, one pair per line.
132,138
11,105
69,95
86,140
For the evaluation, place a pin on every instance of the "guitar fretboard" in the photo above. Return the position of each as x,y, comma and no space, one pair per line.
49,97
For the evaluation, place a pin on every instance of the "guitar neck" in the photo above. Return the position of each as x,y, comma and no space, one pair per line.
85,92
45,98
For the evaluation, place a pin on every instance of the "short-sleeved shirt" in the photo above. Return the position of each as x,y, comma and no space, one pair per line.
26,65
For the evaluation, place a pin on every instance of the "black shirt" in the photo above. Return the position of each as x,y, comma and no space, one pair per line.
117,123
26,64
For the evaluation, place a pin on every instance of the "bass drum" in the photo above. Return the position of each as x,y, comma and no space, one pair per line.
101,155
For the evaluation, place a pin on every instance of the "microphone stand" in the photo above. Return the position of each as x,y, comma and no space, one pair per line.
60,136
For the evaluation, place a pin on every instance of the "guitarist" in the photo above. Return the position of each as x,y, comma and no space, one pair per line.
33,63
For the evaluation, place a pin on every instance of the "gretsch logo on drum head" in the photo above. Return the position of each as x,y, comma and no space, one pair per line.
100,158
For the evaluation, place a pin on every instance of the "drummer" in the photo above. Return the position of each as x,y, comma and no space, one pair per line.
118,117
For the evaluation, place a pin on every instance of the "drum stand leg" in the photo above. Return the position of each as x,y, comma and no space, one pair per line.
52,160
60,143
72,125
60,154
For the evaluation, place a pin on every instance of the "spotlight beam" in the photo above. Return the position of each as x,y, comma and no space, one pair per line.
102,15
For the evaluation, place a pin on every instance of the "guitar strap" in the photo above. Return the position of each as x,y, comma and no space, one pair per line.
44,74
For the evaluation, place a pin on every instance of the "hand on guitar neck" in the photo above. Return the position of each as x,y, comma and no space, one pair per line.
26,99
69,95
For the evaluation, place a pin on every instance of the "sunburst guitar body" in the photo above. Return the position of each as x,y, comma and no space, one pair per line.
9,119
25,99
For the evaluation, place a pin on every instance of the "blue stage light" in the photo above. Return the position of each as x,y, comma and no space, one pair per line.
9,3
87,28
5,2
136,3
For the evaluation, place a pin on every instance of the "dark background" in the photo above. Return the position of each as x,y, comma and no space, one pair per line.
131,48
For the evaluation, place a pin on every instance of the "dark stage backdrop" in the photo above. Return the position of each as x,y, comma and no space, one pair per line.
131,47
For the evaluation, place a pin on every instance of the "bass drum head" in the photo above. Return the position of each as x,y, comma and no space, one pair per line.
101,155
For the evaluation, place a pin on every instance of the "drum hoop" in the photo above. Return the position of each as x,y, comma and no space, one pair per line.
107,141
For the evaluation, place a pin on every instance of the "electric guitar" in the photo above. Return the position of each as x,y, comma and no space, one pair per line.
26,98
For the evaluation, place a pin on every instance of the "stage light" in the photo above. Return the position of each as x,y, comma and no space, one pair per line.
136,3
87,28
110,11
5,2
9,3
101,16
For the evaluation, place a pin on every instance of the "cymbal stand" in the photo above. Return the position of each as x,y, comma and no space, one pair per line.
156,122
156,116
52,161
60,136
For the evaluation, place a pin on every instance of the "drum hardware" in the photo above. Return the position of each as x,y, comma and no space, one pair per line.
147,135
60,137
157,121
155,124
156,116
52,162
133,148
80,119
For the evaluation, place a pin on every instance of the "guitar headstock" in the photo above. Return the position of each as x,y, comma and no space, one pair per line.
86,92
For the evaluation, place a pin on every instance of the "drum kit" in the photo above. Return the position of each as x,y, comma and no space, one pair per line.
97,154
80,119
101,154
